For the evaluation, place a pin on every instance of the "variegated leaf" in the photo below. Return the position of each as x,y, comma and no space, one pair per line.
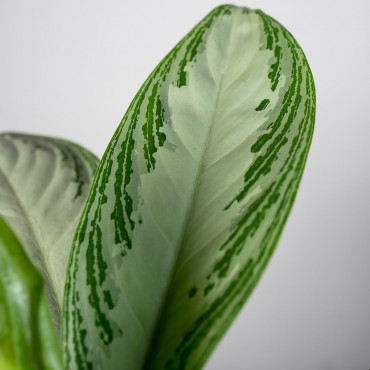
190,198
44,183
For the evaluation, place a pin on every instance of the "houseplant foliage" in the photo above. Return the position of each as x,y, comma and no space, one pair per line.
163,247
44,183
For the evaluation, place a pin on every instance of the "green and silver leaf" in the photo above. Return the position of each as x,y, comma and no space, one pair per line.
190,198
27,337
44,183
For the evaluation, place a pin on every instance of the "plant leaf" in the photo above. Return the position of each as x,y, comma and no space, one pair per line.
44,183
27,335
190,198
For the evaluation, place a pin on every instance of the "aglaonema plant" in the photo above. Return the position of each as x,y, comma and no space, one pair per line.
142,260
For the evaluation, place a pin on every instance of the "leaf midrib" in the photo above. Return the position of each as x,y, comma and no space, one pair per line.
200,170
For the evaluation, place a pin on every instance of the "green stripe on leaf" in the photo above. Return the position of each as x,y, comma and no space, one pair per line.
191,196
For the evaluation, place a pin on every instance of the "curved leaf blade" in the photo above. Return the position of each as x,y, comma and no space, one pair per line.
44,183
27,335
191,197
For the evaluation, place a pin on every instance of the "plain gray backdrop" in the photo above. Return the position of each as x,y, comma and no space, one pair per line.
71,68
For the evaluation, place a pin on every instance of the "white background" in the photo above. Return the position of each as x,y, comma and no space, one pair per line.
71,68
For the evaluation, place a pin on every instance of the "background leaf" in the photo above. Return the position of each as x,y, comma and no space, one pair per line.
44,183
27,335
190,197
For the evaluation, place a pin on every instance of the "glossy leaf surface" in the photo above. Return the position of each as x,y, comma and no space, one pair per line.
27,335
190,198
44,183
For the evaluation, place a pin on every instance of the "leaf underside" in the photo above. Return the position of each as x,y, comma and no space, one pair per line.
190,197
